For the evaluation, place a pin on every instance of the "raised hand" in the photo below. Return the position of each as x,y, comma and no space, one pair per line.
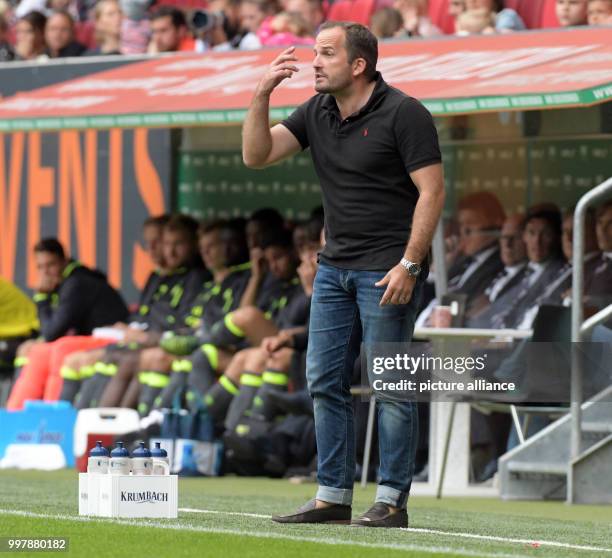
281,68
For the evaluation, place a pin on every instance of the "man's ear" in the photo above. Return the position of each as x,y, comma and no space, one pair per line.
359,66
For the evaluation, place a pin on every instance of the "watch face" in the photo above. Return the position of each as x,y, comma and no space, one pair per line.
414,269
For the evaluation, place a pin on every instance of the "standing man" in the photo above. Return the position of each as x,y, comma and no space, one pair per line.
376,153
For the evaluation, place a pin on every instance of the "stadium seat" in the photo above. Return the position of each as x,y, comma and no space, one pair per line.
530,11
339,11
85,33
549,17
184,4
438,13
512,4
358,11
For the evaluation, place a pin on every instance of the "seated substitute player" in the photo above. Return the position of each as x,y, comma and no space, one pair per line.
79,366
282,303
71,300
173,294
224,251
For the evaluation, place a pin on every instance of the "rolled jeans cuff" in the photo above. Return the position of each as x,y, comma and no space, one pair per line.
391,496
342,496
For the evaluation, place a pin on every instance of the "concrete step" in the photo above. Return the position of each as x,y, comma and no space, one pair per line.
593,427
550,468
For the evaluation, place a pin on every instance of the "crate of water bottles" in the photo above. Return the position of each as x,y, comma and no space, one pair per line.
123,485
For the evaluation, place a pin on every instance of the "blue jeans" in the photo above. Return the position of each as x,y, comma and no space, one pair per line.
344,312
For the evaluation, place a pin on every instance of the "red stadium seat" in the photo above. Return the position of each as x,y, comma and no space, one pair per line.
438,13
358,11
183,4
531,12
85,33
549,17
513,4
362,11
339,11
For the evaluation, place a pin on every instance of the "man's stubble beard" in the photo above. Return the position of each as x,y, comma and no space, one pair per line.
335,86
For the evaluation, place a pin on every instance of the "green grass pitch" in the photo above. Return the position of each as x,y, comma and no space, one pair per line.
40,504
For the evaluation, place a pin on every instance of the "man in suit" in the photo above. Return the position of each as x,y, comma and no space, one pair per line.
480,217
598,285
558,291
513,256
542,237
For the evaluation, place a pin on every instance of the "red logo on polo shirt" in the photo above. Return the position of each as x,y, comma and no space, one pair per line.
365,132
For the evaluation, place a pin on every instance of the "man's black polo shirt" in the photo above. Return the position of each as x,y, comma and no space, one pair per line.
363,163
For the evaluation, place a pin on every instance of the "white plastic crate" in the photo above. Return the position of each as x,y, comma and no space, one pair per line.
106,495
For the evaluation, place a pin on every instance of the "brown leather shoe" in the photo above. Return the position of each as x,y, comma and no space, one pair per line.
308,513
380,515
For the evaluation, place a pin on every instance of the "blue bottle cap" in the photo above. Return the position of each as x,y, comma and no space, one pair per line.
98,451
142,451
120,451
158,451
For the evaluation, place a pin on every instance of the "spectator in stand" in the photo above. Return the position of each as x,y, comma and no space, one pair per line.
6,51
506,19
599,12
69,6
475,22
311,11
219,27
252,15
571,12
108,18
416,21
59,36
30,37
169,31
456,7
135,27
285,29
386,22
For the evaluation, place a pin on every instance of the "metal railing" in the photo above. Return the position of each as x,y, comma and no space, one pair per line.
580,329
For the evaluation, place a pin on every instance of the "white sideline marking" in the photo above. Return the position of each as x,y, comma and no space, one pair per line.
243,514
262,534
444,533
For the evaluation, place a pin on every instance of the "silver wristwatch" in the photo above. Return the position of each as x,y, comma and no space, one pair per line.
412,268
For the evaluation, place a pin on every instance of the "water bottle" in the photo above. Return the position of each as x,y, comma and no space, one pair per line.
161,464
119,460
98,459
142,464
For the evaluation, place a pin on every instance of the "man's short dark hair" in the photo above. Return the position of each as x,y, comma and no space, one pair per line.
36,19
279,238
156,220
268,217
211,226
548,212
176,16
360,42
50,245
183,223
